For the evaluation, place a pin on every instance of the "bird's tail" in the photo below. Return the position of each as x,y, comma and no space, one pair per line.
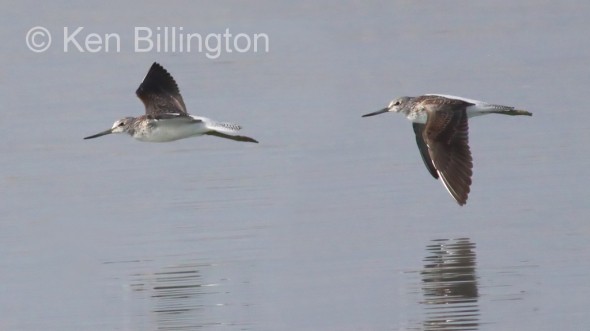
509,111
225,130
226,127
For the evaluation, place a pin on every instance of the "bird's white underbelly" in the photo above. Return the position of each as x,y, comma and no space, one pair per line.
164,132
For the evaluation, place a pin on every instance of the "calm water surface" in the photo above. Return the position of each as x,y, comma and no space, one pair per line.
331,222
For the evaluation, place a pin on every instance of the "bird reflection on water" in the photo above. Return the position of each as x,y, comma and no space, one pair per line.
449,286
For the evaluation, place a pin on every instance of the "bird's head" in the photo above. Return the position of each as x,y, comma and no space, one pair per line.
396,106
120,126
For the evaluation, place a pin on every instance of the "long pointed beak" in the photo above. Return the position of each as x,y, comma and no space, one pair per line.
381,111
109,131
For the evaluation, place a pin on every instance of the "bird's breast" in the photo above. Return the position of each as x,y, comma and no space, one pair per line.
418,116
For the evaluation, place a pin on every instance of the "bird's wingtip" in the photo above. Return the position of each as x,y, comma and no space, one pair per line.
522,112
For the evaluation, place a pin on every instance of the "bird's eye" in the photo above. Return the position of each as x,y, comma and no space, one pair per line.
121,124
397,103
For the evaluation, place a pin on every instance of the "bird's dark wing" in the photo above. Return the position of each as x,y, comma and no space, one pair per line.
418,129
447,137
232,137
159,93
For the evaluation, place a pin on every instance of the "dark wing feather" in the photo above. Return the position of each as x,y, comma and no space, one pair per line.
175,116
232,137
159,92
418,129
446,134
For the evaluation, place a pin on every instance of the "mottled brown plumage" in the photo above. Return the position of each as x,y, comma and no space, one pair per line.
442,135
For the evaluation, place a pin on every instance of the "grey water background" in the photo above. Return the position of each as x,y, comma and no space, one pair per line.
331,222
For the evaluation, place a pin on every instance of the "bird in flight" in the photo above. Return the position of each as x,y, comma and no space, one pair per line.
442,134
166,118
